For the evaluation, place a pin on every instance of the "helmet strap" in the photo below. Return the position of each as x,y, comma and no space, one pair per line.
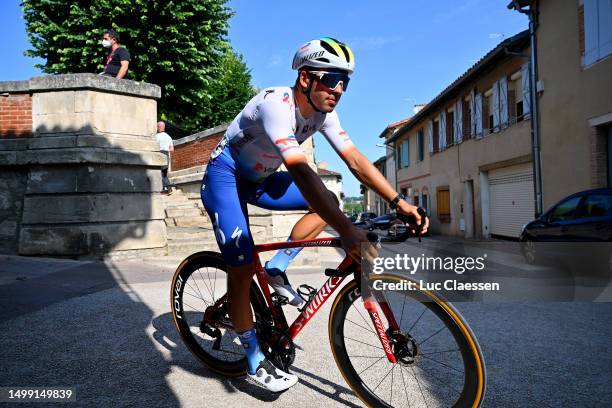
307,93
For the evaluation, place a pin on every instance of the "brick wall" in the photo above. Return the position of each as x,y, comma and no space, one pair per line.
195,152
15,115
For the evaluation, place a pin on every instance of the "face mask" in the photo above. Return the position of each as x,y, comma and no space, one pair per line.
106,43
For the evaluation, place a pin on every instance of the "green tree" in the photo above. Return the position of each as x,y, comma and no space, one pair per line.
180,45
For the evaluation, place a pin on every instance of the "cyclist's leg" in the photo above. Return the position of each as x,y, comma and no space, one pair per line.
226,208
279,192
225,203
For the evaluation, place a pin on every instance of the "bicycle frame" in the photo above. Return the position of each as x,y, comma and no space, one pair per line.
346,268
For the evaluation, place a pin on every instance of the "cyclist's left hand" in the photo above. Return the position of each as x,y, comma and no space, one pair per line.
411,210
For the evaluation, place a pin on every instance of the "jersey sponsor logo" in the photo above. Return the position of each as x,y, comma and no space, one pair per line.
285,140
270,156
285,97
346,137
260,167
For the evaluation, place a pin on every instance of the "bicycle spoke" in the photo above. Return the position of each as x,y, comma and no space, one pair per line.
359,313
367,344
419,385
194,296
438,352
443,364
405,388
435,334
402,316
204,283
445,383
196,284
358,325
210,284
194,309
417,320
391,398
383,379
371,365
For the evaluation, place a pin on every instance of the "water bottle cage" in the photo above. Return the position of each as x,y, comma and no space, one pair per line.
306,292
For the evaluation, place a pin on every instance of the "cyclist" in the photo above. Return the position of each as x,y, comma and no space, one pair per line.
242,169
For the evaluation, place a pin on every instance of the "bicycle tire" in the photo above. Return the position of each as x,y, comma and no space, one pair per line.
474,382
194,343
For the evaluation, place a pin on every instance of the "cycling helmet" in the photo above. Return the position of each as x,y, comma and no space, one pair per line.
325,53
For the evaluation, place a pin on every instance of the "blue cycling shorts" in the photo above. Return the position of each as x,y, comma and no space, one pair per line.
225,196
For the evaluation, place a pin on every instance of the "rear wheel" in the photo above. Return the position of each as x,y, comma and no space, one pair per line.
439,362
199,310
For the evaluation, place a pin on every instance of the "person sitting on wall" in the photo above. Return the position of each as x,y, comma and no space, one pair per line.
118,61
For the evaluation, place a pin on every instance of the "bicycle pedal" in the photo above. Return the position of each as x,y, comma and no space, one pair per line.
279,300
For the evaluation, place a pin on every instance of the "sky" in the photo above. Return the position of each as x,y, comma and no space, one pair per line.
406,52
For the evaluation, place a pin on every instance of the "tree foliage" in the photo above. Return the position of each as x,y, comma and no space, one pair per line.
180,45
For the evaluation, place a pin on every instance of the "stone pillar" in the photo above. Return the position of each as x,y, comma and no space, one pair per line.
92,168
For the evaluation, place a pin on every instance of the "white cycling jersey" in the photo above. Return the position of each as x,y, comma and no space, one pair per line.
270,129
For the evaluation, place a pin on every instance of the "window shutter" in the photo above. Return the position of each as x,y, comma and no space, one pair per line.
458,121
526,88
442,130
605,28
407,152
478,115
472,114
495,98
430,136
591,32
503,102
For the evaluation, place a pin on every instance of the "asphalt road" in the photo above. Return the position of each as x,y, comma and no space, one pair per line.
106,330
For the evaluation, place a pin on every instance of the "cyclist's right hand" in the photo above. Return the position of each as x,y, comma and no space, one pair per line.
352,240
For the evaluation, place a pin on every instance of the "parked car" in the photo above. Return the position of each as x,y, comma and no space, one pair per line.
583,217
383,222
362,218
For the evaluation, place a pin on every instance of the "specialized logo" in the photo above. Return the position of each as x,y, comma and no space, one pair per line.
177,291
381,332
218,233
246,138
236,235
317,301
310,56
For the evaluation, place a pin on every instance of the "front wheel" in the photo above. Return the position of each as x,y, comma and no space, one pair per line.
439,362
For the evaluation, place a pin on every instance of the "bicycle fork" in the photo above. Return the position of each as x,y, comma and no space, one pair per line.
370,305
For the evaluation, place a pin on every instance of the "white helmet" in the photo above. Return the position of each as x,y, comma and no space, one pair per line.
324,53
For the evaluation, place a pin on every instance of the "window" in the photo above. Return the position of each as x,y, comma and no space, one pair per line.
450,120
487,110
597,30
425,203
565,211
443,203
515,98
597,205
403,154
467,118
420,145
436,136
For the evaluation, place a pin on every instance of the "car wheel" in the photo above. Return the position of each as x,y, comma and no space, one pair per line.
528,248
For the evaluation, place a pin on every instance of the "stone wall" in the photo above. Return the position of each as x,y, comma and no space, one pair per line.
86,181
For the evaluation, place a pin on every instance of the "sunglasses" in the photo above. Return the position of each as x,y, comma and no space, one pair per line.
332,79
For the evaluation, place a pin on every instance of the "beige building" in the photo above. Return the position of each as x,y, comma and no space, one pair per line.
467,156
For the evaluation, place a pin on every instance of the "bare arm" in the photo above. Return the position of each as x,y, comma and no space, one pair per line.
315,192
123,70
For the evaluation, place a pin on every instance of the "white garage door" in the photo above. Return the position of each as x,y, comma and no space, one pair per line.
511,199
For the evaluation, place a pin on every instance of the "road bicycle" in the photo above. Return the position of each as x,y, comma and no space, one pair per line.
395,348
